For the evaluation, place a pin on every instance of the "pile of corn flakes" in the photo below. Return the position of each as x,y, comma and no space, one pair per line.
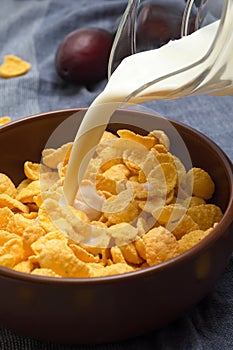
137,206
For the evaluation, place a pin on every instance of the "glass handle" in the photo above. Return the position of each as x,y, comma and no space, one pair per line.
125,40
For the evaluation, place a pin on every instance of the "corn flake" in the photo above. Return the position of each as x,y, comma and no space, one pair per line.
32,170
6,236
120,208
161,138
5,120
13,66
52,157
130,254
13,247
24,183
205,215
117,256
203,185
18,223
190,239
5,216
113,269
183,226
57,256
30,235
160,245
147,141
11,203
7,186
122,233
26,194
25,266
44,272
7,260
83,255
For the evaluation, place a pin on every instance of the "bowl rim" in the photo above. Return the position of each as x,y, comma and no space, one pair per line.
223,225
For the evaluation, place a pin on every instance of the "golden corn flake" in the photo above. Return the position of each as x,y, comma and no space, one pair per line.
107,136
117,172
59,257
203,185
141,225
6,236
160,148
205,215
193,201
44,272
164,178
18,223
117,256
103,254
24,266
45,221
162,157
7,186
141,177
134,156
122,233
141,247
13,247
108,157
5,120
105,184
13,66
114,269
170,175
5,216
12,203
190,239
130,254
169,213
32,170
120,208
52,157
33,214
7,260
180,168
161,138
38,245
140,191
170,197
26,194
37,202
147,141
24,183
30,235
160,245
183,226
83,254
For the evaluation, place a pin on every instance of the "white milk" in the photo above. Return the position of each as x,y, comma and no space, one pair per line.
133,73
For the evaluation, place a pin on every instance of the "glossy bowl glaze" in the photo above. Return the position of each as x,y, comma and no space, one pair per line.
118,307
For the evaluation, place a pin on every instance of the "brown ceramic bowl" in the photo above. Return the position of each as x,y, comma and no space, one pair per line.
121,306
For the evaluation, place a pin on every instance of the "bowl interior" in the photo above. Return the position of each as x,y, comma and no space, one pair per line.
25,139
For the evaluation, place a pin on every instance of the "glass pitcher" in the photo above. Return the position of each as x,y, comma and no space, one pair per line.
151,24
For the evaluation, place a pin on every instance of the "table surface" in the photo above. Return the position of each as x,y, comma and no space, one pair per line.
33,30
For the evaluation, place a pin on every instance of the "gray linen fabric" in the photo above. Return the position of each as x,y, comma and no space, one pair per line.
32,29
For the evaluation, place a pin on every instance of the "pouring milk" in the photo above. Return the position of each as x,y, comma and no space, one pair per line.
137,80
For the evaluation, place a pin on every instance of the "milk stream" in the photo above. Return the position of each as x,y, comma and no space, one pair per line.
134,74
